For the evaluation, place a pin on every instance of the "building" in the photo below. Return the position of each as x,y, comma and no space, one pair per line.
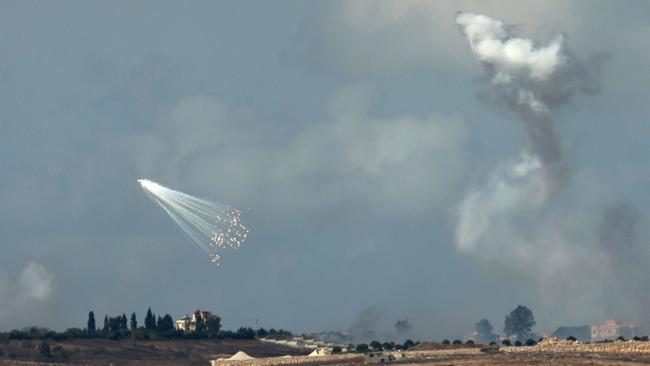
611,330
188,322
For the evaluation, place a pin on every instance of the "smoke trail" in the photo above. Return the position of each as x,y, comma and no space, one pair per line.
210,224
533,82
505,220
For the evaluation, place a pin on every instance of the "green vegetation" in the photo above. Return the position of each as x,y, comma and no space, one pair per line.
519,323
155,327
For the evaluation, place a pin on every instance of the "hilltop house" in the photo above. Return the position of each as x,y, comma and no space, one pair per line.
612,329
188,322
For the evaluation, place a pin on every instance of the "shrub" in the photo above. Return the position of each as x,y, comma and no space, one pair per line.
446,342
456,341
362,348
408,344
517,344
375,345
261,333
44,349
493,343
59,352
469,341
336,349
571,338
530,342
621,338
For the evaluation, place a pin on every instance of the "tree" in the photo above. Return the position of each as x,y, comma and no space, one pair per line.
200,323
362,348
158,323
91,322
245,333
375,345
519,322
123,326
44,349
115,324
105,329
149,320
213,325
166,323
408,344
261,333
134,322
484,332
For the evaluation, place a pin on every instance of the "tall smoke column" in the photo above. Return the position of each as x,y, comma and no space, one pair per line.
503,220
211,225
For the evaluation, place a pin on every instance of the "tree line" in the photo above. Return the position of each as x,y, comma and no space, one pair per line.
154,327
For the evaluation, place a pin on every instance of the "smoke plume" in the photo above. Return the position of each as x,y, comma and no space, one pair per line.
28,295
510,221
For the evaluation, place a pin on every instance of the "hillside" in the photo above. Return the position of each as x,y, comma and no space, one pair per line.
140,352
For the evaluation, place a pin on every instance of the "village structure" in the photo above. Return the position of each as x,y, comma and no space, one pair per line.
188,322
612,329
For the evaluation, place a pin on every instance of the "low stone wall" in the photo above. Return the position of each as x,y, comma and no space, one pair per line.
555,345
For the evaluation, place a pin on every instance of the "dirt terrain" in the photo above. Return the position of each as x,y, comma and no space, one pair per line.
128,352
201,352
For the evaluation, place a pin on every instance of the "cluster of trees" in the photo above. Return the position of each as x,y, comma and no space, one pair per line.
378,346
518,323
118,327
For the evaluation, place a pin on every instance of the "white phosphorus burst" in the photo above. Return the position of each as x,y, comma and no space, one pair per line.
211,225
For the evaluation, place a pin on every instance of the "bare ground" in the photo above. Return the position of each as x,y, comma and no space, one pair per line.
140,353
200,352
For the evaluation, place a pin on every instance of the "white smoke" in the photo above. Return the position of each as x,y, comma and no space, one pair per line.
36,282
33,290
510,56
508,220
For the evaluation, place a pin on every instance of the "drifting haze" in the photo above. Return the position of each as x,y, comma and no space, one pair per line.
352,132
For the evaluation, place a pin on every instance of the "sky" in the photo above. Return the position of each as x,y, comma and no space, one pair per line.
352,132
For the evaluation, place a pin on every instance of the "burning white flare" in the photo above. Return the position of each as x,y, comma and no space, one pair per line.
210,224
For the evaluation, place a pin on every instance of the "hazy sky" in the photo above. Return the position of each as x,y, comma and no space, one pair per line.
352,130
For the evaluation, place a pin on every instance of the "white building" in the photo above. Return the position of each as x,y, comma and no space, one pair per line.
188,322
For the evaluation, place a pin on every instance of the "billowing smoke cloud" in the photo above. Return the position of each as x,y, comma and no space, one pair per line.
534,82
365,326
510,221
32,290
36,282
